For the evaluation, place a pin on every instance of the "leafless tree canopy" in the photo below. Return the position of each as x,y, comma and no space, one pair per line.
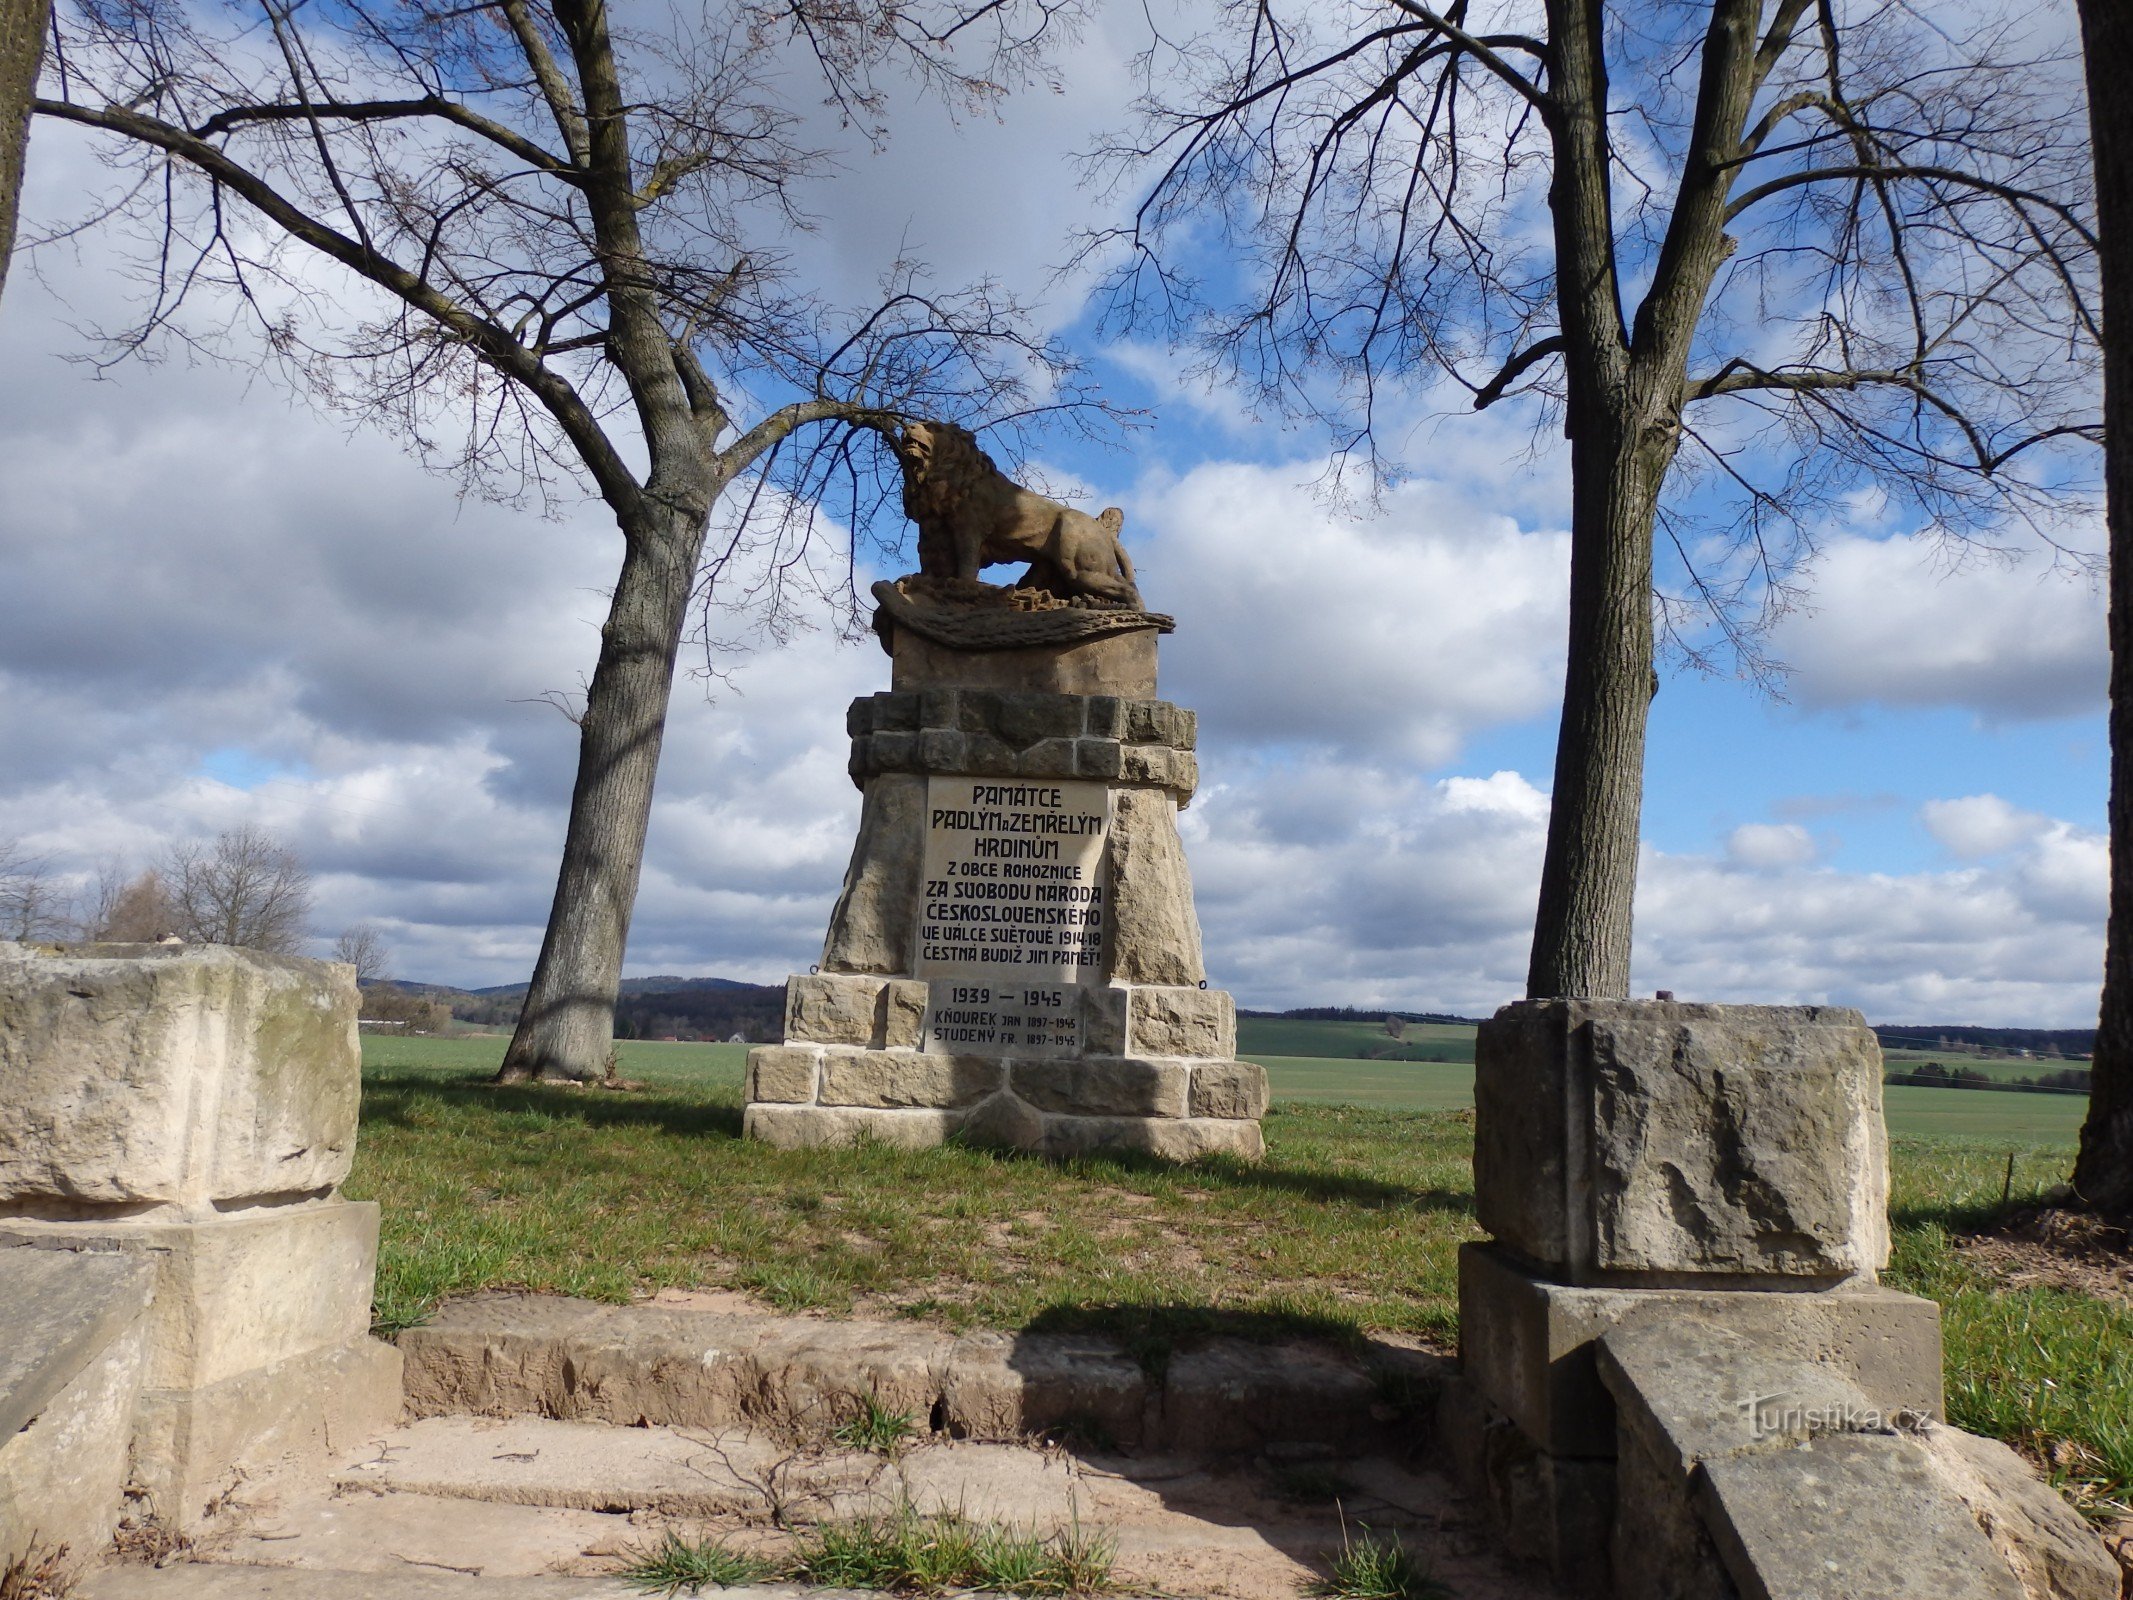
1903,306
33,904
128,908
246,889
365,949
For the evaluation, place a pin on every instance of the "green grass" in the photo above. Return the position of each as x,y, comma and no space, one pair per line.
675,1564
904,1552
1350,1225
1377,1567
1292,1036
874,1428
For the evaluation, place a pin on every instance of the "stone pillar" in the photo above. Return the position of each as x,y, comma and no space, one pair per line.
1015,958
1648,1164
193,1109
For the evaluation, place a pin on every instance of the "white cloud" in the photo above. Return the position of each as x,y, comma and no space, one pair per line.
1400,634
1770,844
1979,825
1891,623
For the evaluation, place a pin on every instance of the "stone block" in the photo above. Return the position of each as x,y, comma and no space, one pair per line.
1103,1019
240,1291
1170,1138
990,757
1661,1549
1009,1386
1187,729
859,717
1184,776
1096,758
941,750
1103,1086
2039,1536
903,1013
1528,1343
1554,1511
903,1078
1151,722
1858,1515
1146,764
937,709
831,1008
782,1073
1025,719
1048,758
65,1465
815,1127
1114,664
1651,1141
1176,1020
1004,1122
1229,1089
1155,932
180,1076
870,929
896,713
192,1446
892,752
1104,717
58,1312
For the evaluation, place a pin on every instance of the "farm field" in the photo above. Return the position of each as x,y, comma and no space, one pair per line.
1352,1223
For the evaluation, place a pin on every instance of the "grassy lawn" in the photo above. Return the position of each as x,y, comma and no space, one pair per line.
1351,1223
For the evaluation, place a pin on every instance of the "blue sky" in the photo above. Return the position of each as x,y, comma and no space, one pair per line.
221,606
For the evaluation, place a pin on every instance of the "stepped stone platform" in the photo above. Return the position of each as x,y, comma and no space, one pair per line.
677,1365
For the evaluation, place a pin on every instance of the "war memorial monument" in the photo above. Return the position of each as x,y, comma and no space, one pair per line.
1014,958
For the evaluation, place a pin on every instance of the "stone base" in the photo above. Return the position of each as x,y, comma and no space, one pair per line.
1555,1511
241,1291
1528,1344
1006,1122
191,1446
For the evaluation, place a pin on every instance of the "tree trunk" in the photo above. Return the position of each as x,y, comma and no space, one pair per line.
22,29
1581,929
2103,1174
567,1027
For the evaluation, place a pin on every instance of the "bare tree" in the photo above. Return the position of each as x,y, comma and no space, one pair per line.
127,907
365,949
1753,256
571,240
2103,1174
22,30
33,905
244,889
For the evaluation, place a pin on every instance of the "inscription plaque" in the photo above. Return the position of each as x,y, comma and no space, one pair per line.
1013,913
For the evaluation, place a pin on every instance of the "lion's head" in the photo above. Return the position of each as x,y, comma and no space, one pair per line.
942,464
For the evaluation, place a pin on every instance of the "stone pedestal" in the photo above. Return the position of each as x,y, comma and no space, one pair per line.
193,1110
1015,958
1679,1378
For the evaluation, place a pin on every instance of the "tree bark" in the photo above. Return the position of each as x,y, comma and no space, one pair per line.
22,30
2103,1173
567,1026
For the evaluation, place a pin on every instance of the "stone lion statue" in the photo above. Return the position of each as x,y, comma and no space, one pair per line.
970,515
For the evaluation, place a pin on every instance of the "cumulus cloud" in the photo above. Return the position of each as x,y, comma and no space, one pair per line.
1891,623
1979,825
1770,844
1401,634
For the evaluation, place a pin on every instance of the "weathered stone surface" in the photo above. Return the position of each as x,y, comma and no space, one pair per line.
1117,664
2051,1551
1741,1141
1528,1344
1661,1549
179,1076
811,1127
237,1292
1228,1089
832,1008
1169,1020
1555,1511
1005,1123
1048,758
1155,932
1006,1386
1025,719
902,1078
72,1352
782,1073
1103,1086
1103,1019
193,1446
209,1582
1170,1138
1151,722
1856,1515
870,929
903,1013
1097,758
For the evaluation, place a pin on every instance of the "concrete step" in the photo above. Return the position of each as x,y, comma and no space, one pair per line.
530,1500
684,1366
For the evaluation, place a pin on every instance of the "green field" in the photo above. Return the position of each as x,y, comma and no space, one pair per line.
1338,1041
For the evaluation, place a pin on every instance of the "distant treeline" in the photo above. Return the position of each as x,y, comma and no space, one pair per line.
1353,1014
1934,1075
2069,1043
712,1009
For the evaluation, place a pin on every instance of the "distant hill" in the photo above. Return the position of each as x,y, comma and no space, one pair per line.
1354,1014
2045,1042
